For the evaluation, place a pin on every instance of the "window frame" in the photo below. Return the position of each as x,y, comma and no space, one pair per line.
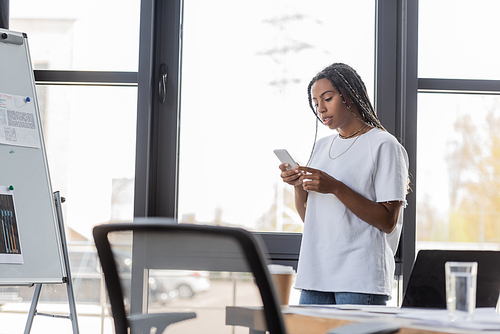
396,88
157,154
85,78
461,86
157,157
396,60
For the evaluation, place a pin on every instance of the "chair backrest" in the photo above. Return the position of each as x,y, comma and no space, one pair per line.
165,267
426,286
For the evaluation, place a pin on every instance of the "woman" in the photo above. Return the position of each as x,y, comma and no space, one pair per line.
350,196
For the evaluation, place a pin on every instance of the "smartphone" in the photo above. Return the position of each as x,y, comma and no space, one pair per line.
285,157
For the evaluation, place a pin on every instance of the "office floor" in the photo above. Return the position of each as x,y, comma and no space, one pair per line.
13,319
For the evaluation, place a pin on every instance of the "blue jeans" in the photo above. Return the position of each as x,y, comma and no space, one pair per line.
332,298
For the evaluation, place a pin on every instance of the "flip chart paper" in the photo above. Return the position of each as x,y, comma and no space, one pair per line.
18,125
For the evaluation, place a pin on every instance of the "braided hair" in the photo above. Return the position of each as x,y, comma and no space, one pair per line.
344,77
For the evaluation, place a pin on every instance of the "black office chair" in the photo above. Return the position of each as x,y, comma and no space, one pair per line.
165,258
426,286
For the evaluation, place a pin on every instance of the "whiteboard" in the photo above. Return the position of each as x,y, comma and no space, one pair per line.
31,249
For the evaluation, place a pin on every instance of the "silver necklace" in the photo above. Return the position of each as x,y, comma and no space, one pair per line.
331,145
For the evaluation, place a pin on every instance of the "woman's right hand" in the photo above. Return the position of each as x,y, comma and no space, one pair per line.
292,177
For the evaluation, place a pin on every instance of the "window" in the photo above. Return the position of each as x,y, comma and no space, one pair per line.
88,35
244,94
89,130
159,177
457,171
458,117
85,57
457,39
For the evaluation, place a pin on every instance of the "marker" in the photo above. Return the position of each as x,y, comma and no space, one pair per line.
11,225
11,187
6,231
6,243
28,99
13,233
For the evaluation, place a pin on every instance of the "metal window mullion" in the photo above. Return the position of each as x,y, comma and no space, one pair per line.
409,113
143,157
144,180
89,78
395,97
386,63
402,69
168,53
464,86
157,154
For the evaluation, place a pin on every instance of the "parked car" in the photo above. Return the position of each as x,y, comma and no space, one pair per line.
164,285
185,283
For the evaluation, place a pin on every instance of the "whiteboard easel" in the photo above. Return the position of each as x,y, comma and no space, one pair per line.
69,282
35,226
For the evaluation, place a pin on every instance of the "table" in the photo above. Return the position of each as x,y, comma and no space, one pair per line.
318,320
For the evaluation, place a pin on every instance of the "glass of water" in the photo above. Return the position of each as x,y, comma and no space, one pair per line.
461,289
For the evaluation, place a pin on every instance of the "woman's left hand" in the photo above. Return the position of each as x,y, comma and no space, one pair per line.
383,216
317,180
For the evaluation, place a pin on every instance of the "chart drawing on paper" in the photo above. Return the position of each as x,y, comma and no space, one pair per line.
18,124
10,242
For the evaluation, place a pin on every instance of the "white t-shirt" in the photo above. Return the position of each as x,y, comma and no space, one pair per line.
339,251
